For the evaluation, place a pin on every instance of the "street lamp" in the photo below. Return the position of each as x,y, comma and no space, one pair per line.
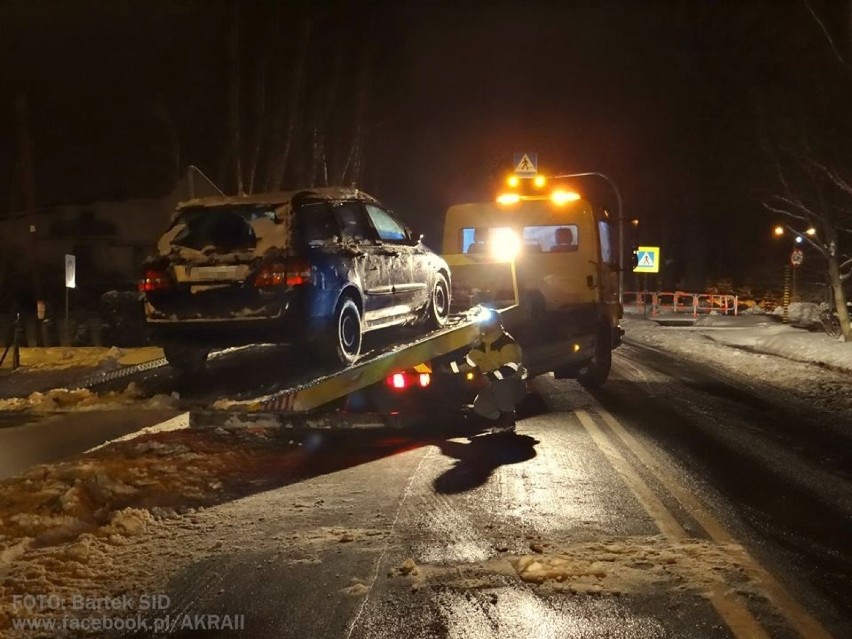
620,206
808,235
799,238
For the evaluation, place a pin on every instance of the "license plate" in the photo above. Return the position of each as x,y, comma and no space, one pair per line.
214,273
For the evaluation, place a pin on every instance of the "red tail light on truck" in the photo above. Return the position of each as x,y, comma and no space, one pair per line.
404,381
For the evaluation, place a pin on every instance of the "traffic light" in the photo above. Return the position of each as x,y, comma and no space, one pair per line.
634,258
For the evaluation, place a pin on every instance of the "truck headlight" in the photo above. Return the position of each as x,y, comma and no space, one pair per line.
505,244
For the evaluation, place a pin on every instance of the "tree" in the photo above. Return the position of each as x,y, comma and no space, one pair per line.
820,204
298,80
805,142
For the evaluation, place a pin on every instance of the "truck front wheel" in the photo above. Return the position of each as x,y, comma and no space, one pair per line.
595,373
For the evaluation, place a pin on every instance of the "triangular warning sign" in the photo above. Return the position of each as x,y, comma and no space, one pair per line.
526,165
646,259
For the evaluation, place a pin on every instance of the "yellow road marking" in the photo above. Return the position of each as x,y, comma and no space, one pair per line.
737,617
804,623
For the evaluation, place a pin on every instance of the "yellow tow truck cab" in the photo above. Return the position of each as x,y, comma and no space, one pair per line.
564,270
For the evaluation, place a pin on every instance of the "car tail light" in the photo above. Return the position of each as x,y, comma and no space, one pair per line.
298,271
402,381
292,272
154,280
271,275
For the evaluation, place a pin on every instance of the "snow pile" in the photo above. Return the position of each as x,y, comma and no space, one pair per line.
602,566
635,564
804,313
127,517
68,527
779,357
82,399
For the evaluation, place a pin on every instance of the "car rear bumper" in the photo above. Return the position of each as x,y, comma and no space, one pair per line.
282,319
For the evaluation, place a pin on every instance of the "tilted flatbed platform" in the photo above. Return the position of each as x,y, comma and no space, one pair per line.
301,407
284,407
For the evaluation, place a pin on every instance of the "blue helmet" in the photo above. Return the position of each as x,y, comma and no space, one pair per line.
489,320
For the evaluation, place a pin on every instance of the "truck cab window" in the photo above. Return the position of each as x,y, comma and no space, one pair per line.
606,242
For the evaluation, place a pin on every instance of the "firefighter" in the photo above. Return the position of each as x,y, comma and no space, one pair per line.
498,357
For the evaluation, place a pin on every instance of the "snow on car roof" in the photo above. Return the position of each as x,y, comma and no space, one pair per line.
280,197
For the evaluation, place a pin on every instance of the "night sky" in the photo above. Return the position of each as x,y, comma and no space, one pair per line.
680,103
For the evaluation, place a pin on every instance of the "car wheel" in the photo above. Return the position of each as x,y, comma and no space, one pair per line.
596,372
439,303
344,342
189,359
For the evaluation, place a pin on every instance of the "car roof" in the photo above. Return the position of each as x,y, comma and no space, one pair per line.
279,198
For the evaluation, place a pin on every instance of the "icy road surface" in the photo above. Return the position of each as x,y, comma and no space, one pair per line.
680,501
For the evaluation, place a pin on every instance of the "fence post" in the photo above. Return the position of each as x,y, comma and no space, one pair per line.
785,317
16,351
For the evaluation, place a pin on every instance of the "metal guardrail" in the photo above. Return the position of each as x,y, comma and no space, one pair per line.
693,304
126,371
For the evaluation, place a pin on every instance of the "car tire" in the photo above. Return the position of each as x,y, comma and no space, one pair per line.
595,373
438,309
343,342
188,359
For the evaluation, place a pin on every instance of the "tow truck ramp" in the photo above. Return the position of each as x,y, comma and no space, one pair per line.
296,408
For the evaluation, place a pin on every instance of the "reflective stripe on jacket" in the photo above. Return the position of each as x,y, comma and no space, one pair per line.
497,355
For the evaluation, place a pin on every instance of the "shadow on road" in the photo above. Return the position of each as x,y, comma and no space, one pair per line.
179,470
481,457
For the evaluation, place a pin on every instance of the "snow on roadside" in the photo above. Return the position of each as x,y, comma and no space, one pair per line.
83,399
812,366
92,524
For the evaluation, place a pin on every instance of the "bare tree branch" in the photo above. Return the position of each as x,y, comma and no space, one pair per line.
234,102
259,123
279,160
838,56
833,177
805,217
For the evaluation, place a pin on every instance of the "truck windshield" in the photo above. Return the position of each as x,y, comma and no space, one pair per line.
556,238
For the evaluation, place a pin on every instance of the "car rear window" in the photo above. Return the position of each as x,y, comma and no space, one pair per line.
225,229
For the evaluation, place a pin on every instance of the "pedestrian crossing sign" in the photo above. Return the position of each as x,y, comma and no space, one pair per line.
526,164
647,259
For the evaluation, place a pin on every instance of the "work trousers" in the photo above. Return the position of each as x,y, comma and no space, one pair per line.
500,396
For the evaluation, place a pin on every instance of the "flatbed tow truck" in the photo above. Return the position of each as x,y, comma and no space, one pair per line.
543,260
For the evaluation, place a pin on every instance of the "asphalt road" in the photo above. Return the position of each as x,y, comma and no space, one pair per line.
674,502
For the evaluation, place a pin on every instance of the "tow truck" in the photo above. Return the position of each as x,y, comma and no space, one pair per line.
540,255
